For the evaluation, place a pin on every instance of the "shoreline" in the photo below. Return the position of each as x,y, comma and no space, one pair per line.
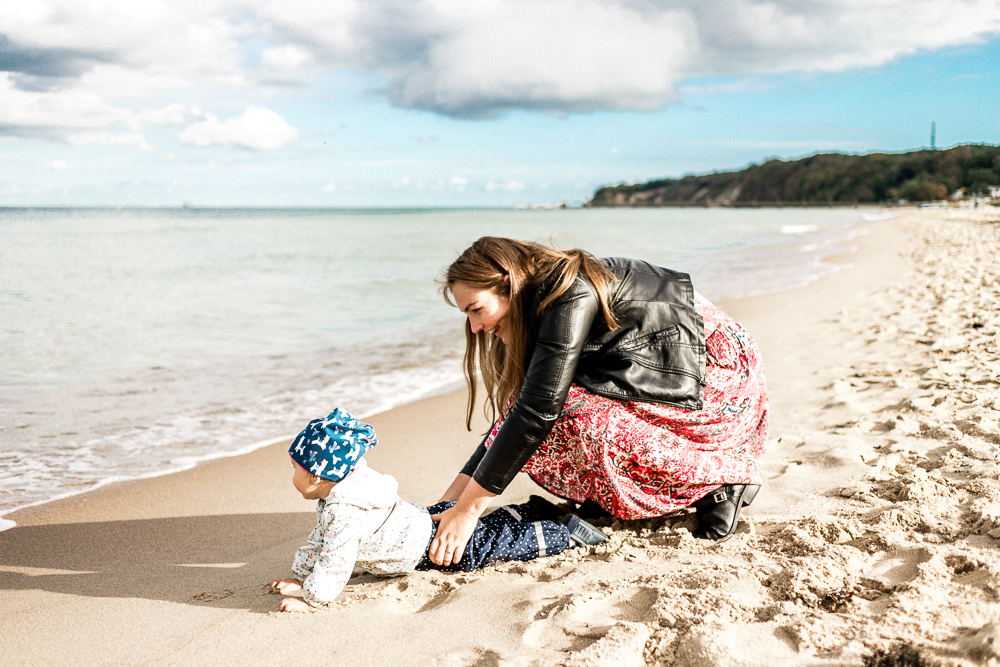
874,528
6,523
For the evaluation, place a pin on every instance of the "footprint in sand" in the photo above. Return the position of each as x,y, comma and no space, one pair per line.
206,596
470,656
438,600
574,622
433,592
896,569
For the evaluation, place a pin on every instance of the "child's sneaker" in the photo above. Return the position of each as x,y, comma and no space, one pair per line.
582,532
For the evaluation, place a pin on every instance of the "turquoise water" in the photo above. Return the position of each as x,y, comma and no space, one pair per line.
138,342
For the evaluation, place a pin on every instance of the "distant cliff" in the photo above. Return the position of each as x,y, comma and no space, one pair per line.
829,178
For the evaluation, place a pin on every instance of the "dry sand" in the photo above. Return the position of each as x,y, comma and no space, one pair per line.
878,525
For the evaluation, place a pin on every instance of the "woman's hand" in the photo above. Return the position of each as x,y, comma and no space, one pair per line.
453,534
457,524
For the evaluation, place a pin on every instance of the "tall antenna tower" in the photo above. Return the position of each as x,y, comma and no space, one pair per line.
933,137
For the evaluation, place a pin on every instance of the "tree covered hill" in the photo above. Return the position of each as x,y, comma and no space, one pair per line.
827,178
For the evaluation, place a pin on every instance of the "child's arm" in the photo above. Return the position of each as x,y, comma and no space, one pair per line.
302,567
326,564
305,557
335,561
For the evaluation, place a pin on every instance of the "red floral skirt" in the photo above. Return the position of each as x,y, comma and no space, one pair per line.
641,460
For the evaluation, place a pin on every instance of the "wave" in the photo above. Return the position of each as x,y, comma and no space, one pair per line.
799,229
40,474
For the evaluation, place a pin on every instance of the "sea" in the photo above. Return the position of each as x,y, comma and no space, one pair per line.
139,342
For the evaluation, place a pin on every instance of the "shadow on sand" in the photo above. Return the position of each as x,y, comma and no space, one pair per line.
220,561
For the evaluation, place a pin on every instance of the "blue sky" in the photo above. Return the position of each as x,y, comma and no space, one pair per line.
440,103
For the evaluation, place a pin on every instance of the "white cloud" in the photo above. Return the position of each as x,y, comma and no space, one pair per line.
458,183
407,183
58,165
173,114
509,186
44,111
71,116
283,59
68,37
71,64
106,138
477,59
258,128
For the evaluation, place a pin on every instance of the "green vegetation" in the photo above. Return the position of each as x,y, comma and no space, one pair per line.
828,178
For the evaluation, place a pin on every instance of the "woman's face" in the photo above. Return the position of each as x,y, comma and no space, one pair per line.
486,310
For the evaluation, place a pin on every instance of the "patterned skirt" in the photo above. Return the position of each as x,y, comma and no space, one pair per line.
641,460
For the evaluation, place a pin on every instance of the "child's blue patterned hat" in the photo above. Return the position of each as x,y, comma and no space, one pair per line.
332,447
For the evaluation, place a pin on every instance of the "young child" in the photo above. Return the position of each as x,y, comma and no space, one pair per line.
360,520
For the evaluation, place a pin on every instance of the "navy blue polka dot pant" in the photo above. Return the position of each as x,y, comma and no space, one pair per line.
512,532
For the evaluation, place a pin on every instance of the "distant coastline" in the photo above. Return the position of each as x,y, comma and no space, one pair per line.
970,172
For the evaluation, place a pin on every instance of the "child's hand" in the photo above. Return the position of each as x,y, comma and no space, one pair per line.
294,604
285,586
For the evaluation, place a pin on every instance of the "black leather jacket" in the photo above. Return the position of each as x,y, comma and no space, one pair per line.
656,355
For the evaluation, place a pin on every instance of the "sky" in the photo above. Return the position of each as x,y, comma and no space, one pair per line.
396,103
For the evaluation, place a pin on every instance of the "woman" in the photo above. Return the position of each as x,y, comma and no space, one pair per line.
609,381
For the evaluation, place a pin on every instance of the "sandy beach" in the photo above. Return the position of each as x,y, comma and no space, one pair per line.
877,528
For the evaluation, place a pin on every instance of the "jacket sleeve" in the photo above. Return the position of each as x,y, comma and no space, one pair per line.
333,561
305,557
477,456
561,334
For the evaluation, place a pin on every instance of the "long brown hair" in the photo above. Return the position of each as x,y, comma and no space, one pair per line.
511,268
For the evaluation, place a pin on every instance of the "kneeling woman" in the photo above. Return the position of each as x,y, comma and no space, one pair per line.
610,381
